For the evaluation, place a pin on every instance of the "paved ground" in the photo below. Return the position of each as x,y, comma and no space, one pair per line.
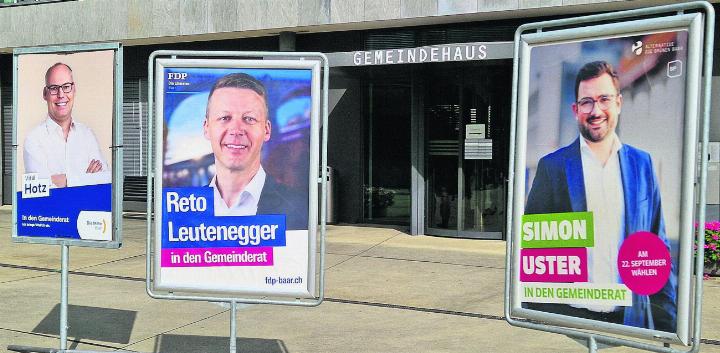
386,292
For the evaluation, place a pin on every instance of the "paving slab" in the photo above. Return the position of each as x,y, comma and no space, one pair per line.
35,300
711,309
352,240
10,273
467,257
12,337
422,284
48,256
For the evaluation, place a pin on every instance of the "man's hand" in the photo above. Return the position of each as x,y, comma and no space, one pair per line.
94,166
60,180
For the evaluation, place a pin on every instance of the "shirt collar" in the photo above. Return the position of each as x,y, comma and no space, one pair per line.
254,187
52,125
616,144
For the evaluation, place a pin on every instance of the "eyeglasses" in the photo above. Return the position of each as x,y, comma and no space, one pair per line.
586,105
55,89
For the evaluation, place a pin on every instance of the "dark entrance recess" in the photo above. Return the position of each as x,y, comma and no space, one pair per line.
466,197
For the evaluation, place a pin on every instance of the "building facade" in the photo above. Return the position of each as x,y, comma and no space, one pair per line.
409,82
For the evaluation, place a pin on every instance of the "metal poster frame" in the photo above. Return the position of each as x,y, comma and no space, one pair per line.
116,182
698,19
117,147
275,58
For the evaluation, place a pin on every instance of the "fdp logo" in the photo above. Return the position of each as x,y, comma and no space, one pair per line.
637,47
177,75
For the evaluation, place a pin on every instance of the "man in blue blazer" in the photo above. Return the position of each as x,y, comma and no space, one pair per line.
624,198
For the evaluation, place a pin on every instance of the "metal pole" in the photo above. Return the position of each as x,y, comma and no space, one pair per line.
64,295
592,345
705,128
233,326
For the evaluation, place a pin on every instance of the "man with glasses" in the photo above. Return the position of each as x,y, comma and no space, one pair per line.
237,125
61,148
614,181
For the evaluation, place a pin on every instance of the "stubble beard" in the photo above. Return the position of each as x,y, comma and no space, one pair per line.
593,135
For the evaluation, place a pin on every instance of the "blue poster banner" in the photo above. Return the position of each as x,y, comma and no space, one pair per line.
81,212
189,221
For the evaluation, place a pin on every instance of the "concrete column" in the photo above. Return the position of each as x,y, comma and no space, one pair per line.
287,41
417,156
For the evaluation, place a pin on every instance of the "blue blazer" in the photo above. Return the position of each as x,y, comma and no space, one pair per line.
559,187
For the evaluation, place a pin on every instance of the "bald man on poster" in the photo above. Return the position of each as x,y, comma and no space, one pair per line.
61,148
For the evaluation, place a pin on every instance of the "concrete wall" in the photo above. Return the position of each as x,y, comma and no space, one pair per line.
136,22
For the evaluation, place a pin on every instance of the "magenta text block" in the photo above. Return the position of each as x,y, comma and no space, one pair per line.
553,265
215,257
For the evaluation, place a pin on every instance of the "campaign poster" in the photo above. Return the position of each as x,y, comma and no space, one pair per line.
66,104
602,228
237,157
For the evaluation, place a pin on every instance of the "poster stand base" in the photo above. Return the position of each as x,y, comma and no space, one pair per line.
64,261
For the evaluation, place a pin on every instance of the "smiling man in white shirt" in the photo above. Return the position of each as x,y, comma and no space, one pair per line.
61,148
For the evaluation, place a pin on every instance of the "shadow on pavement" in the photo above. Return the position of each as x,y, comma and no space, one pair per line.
194,344
91,323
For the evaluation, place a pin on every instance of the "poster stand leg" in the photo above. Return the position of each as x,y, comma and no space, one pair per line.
233,326
64,296
64,260
592,345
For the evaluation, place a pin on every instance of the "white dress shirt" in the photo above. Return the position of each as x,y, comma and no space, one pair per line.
605,199
46,152
247,203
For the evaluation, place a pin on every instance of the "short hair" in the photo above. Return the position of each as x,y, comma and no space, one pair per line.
596,69
51,68
243,81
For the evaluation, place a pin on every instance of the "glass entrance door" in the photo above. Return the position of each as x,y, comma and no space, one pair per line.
466,193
